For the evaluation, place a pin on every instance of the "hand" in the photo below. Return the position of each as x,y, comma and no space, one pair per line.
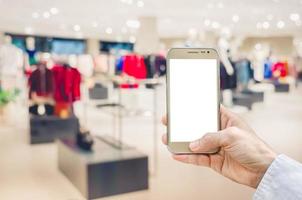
243,156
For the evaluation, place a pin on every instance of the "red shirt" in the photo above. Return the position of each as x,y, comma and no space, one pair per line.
67,82
134,65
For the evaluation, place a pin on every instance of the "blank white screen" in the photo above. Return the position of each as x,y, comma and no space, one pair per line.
193,98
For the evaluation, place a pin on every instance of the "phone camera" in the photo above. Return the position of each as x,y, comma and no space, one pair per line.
208,51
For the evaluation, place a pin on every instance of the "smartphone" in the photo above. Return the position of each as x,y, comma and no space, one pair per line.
193,91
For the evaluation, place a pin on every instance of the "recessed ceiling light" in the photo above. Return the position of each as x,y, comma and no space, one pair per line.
220,5
215,25
235,18
265,25
140,4
54,11
294,16
94,24
28,30
207,22
276,1
46,15
76,27
108,30
132,39
133,23
270,17
280,24
35,15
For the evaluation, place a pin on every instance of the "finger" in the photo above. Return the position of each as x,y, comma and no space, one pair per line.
164,120
164,139
201,160
209,142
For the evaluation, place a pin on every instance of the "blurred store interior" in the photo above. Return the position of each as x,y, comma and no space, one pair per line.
77,72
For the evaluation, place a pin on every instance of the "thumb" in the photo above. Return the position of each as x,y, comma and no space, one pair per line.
209,142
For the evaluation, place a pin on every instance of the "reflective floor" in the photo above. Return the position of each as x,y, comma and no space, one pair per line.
30,172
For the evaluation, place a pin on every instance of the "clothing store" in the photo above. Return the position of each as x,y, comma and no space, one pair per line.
83,92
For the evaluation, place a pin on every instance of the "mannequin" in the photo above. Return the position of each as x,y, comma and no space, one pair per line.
11,63
224,46
31,50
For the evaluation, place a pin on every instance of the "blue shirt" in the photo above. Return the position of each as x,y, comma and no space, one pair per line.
282,181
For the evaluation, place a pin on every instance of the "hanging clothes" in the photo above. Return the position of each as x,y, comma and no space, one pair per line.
41,83
31,56
279,69
160,65
227,81
243,72
268,68
67,82
134,66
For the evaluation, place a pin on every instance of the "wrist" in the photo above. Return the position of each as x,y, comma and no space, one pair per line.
267,161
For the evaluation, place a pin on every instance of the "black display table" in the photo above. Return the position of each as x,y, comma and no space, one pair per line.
45,129
105,171
281,87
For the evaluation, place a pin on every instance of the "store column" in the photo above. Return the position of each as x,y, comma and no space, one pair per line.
147,40
93,46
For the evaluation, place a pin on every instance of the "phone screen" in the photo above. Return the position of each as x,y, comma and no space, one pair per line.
193,98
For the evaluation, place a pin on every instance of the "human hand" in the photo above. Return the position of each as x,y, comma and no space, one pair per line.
243,156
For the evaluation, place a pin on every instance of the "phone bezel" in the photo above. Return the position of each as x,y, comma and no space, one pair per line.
189,53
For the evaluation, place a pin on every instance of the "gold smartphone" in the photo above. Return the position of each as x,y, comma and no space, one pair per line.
193,91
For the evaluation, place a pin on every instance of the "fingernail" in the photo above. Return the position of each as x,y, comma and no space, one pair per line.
194,145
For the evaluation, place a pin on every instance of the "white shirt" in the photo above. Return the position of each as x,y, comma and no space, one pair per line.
282,181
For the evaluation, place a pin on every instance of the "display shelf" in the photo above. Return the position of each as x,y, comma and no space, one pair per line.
44,129
104,171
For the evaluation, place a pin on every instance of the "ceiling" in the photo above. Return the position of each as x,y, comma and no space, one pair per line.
107,19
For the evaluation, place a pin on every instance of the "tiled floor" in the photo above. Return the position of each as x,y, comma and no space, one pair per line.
30,172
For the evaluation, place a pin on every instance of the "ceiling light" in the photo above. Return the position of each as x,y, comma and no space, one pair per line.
46,15
294,16
109,30
132,39
76,27
129,2
220,5
54,11
207,22
280,24
270,17
94,24
133,23
215,25
235,18
140,4
28,30
265,25
35,15
276,1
